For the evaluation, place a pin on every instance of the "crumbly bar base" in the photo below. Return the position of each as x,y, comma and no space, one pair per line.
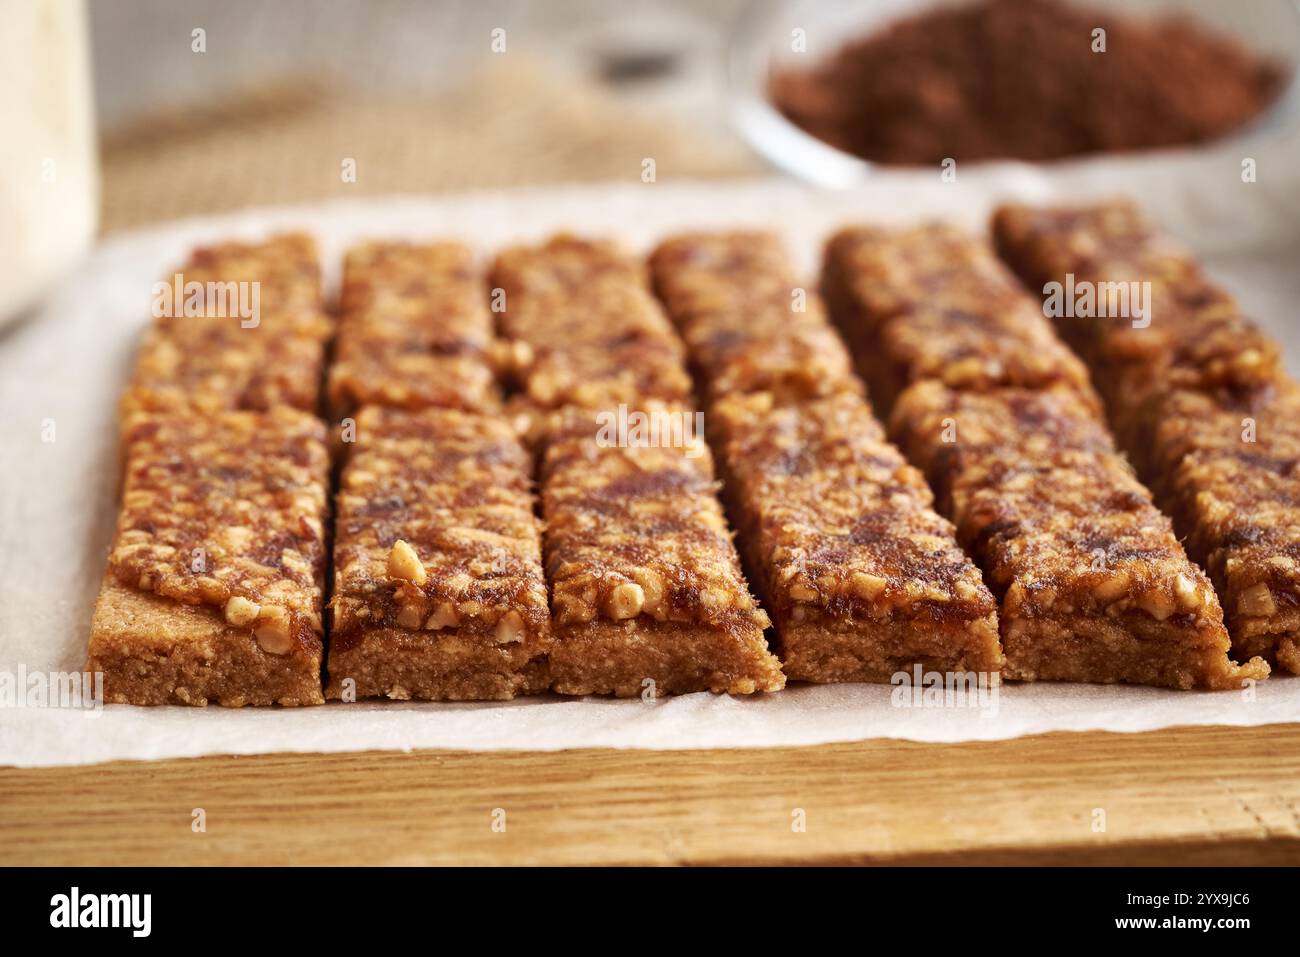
155,651
1133,650
645,657
826,648
446,665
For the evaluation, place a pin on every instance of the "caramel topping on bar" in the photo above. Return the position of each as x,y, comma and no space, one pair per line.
566,266
227,510
838,518
1194,334
416,331
1056,516
637,530
587,329
436,528
721,272
933,302
223,359
748,325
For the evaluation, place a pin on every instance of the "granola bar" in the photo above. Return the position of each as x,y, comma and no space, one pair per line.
862,578
215,577
415,331
747,323
933,302
1093,584
241,326
1198,399
585,329
438,584
647,595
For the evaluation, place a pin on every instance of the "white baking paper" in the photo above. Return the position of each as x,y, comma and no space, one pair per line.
61,372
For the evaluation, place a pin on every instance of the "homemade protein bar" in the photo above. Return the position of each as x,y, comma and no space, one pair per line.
240,326
1093,584
862,578
1226,466
1197,396
747,323
438,584
415,331
215,577
934,302
584,328
647,595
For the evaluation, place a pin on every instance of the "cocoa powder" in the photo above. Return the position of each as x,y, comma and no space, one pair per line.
1020,79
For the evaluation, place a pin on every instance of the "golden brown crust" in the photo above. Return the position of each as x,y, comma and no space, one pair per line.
415,331
1197,336
213,361
436,537
748,324
227,510
933,302
1066,536
1229,474
584,327
637,530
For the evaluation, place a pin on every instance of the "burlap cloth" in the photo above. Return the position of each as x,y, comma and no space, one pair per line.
509,125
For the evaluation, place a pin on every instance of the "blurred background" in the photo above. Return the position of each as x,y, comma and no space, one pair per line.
123,113
425,96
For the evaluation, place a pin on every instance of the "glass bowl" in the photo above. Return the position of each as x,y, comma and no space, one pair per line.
761,44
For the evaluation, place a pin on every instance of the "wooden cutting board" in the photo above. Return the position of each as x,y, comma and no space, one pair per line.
1178,796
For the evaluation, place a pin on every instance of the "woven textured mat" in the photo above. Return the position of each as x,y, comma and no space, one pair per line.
513,125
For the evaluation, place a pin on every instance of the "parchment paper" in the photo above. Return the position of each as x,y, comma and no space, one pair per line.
65,367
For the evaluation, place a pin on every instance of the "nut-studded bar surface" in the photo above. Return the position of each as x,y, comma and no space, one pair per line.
1192,333
221,359
862,578
1226,466
747,323
1197,398
415,330
647,595
584,327
215,577
933,302
438,584
1093,584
